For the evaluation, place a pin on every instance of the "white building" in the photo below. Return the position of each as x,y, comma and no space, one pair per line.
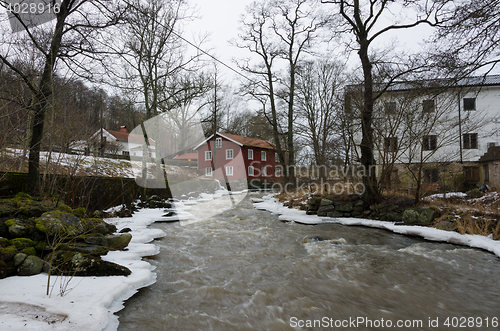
434,123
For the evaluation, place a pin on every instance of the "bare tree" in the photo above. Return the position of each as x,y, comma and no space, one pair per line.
364,21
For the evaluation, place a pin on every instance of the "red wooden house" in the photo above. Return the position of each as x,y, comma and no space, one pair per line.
239,157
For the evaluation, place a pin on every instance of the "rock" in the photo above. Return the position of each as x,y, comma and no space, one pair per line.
32,265
324,210
326,202
60,224
69,263
357,214
394,217
94,239
8,253
84,248
359,203
418,216
335,214
314,201
446,225
97,225
21,243
125,230
7,269
29,251
118,242
19,228
19,258
475,193
4,229
345,207
4,242
313,239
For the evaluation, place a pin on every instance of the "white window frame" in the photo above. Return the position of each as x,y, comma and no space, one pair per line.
229,171
251,171
208,172
263,156
229,154
218,142
250,154
208,155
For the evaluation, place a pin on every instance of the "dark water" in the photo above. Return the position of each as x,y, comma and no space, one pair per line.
245,270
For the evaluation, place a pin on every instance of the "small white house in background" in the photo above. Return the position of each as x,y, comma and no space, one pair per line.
121,143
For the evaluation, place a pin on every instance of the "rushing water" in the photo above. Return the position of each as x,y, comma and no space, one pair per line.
245,270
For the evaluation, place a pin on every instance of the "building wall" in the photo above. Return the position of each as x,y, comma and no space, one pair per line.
240,161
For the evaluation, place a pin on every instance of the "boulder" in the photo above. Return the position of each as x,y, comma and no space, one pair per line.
125,230
97,225
4,242
7,269
8,253
20,228
118,242
68,263
446,225
326,202
32,265
418,216
335,214
22,243
394,217
324,210
19,258
60,224
345,207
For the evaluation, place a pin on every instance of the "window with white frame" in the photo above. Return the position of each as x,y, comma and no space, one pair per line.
208,155
470,141
264,171
250,154
263,155
229,154
250,171
229,171
218,142
277,171
208,171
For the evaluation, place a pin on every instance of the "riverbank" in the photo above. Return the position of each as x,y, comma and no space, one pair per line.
83,303
272,204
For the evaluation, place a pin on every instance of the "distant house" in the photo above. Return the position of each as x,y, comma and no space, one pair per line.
239,157
121,143
187,157
490,162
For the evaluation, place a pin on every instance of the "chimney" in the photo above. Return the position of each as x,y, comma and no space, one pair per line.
123,128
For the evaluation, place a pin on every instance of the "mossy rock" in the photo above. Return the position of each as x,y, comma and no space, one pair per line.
474,193
32,265
79,212
119,242
84,248
60,224
418,216
68,263
7,269
4,242
21,243
94,239
29,251
20,228
97,225
8,253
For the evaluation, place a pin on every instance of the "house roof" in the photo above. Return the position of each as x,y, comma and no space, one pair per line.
488,80
493,154
187,156
242,141
126,136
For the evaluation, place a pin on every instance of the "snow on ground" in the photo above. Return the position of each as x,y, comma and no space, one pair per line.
89,303
272,204
446,195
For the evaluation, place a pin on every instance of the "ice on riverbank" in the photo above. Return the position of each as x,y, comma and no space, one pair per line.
272,204
89,303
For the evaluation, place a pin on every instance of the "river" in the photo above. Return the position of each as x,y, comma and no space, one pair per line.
245,270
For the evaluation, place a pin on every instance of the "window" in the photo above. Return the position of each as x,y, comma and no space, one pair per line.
276,157
264,171
250,171
229,171
486,173
490,145
469,103
429,143
250,154
263,155
428,106
208,171
218,142
431,175
125,153
229,154
471,174
391,144
390,108
277,171
208,155
470,141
